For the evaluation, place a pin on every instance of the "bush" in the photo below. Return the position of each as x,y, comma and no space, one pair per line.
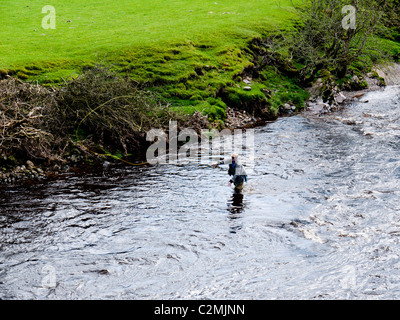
323,43
109,110
22,111
95,111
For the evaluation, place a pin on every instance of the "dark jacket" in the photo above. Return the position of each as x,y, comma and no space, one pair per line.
237,171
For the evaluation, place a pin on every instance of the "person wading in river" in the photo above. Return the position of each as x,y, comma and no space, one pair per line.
236,170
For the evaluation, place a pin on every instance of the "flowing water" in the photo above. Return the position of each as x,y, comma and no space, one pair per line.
318,219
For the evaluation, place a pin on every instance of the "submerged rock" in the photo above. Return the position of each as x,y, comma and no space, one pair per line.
340,98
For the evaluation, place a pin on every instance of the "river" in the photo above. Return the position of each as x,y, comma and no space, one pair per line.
318,219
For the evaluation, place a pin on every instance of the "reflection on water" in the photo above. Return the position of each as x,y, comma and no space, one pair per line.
236,207
236,204
318,218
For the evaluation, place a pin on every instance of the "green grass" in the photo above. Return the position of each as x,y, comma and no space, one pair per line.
186,49
102,29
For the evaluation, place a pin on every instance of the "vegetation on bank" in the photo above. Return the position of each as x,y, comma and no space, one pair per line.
188,51
171,61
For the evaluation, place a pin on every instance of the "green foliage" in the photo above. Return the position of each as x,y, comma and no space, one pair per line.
322,41
214,110
107,109
240,98
283,89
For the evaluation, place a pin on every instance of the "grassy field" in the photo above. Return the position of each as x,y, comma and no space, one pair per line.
95,30
187,49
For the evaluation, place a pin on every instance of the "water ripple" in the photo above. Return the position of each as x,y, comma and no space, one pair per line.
318,219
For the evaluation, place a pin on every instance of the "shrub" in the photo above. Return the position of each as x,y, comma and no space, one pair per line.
99,110
22,112
109,110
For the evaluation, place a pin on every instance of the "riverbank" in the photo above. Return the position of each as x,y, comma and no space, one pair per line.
381,77
17,171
